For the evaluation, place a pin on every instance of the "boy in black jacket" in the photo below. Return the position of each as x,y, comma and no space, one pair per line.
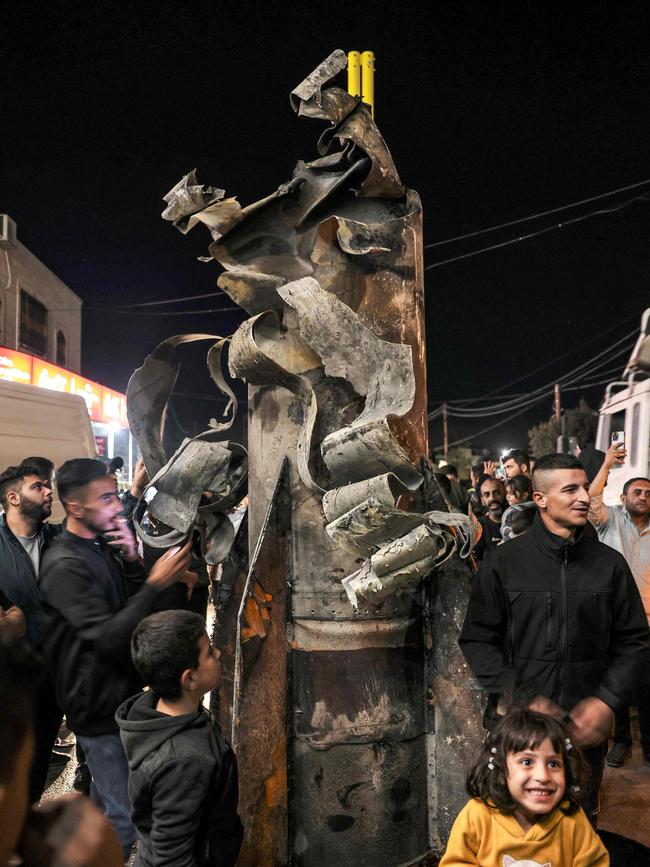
182,772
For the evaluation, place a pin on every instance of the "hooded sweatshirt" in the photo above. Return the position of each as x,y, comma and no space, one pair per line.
482,835
182,785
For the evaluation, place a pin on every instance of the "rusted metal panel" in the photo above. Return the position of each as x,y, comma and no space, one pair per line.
363,803
456,699
259,714
329,266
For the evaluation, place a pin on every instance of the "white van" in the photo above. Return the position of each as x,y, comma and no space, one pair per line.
626,407
49,424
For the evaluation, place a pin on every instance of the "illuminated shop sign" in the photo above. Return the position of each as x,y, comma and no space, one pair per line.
15,366
104,404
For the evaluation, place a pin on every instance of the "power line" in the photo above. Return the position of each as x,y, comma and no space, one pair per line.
165,301
536,216
558,358
538,232
179,312
569,378
486,429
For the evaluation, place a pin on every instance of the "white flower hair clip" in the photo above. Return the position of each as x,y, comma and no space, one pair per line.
569,745
491,759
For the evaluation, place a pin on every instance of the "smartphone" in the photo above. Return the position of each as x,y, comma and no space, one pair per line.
618,439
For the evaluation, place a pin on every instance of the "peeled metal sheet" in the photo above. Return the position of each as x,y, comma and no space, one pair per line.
362,530
399,564
150,387
386,489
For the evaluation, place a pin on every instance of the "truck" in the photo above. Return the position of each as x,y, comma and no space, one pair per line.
626,408
49,424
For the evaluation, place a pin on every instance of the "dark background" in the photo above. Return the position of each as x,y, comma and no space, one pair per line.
493,111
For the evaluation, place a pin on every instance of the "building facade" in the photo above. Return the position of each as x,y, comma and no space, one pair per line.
39,314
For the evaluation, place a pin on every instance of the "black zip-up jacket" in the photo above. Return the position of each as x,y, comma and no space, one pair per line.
182,786
18,581
554,617
91,602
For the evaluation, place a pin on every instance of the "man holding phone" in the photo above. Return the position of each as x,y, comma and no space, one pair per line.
94,592
626,528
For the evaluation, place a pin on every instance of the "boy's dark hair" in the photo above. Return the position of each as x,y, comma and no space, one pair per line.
520,457
549,463
449,470
44,466
76,474
12,478
163,646
20,673
518,731
629,482
520,485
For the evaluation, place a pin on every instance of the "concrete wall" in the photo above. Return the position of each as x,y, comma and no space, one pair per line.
20,270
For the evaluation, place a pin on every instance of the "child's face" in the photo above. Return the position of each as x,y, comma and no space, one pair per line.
208,671
536,782
511,497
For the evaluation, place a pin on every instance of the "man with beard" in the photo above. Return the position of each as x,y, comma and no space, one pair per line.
626,528
26,497
493,498
555,622
94,592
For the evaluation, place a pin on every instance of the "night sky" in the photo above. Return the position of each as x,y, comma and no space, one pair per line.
492,111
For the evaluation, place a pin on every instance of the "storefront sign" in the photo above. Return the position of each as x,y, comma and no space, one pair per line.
15,366
104,404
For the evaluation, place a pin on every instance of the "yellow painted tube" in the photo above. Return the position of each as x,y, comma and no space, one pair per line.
354,74
368,79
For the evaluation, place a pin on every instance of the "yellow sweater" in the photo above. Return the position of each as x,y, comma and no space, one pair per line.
492,839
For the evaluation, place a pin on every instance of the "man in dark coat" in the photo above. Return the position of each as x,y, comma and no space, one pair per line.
25,535
555,622
94,592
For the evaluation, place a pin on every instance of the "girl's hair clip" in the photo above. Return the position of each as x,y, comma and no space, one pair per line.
491,764
493,750
569,745
575,788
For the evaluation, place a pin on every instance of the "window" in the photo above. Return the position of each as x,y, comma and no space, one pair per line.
610,423
60,348
33,324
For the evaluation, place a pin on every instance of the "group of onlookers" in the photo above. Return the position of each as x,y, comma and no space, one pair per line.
91,625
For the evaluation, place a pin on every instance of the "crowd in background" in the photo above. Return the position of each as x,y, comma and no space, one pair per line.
556,632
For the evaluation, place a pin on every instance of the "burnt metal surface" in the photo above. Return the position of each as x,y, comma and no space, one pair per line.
457,701
329,267
260,690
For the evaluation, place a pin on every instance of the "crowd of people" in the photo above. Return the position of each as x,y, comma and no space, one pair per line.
555,633
84,626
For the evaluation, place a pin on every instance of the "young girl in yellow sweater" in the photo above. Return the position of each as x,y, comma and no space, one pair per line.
525,807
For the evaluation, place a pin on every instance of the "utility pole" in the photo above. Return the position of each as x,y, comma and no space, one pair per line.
558,406
445,431
562,440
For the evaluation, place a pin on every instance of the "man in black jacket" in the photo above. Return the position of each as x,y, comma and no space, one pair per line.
26,497
93,594
555,622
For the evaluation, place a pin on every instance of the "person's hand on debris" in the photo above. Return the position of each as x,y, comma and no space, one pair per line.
140,479
591,720
69,832
171,567
12,621
122,538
